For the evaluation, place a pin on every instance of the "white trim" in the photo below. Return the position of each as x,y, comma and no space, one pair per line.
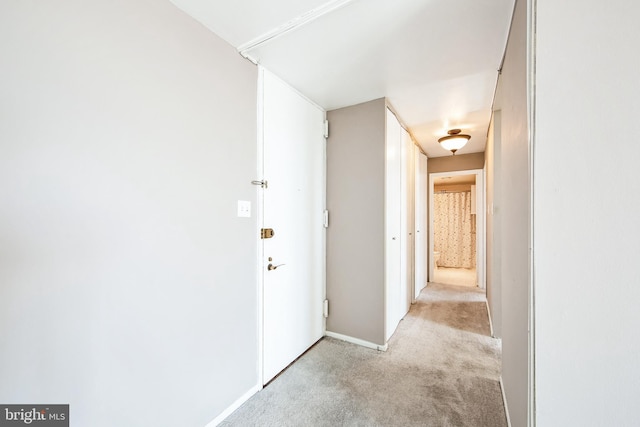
486,301
291,25
480,223
324,229
357,341
531,105
235,405
481,231
504,402
260,221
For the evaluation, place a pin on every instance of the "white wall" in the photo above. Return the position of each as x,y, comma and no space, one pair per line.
586,236
127,283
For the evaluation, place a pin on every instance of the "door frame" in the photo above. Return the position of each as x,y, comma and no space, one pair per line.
260,222
421,223
480,223
260,259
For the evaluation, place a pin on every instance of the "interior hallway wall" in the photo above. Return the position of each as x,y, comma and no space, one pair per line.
493,255
459,162
586,236
515,219
422,230
355,237
128,287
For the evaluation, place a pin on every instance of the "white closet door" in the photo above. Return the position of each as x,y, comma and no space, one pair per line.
408,222
393,221
421,261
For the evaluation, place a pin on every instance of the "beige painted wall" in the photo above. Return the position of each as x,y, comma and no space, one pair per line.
355,237
456,163
128,284
494,255
515,218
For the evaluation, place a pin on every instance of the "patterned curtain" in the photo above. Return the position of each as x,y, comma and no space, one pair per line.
454,231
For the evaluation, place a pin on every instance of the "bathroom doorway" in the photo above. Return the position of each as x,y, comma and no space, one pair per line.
456,215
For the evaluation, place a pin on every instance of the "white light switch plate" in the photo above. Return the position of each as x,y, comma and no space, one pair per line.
244,209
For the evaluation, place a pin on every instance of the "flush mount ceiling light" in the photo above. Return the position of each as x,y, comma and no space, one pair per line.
454,141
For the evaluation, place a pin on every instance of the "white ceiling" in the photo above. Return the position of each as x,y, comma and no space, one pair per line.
435,60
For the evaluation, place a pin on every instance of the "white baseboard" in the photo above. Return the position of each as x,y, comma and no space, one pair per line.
235,405
504,402
489,314
357,341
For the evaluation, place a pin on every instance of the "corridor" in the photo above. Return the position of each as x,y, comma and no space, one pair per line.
442,369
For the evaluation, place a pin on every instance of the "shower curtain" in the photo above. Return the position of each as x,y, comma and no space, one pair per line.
454,230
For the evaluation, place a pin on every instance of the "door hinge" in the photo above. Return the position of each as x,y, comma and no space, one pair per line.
326,128
325,218
266,233
325,308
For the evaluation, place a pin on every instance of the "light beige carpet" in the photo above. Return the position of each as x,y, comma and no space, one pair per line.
442,369
455,276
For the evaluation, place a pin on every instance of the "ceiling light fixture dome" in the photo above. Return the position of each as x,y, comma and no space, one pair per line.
454,141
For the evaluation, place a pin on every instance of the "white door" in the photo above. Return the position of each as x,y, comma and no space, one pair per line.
408,222
293,259
421,222
393,220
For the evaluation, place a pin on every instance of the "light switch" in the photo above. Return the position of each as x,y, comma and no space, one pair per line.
244,209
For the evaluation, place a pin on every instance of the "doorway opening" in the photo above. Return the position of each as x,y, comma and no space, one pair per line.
456,238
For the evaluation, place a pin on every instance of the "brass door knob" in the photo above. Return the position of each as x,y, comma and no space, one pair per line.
273,267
